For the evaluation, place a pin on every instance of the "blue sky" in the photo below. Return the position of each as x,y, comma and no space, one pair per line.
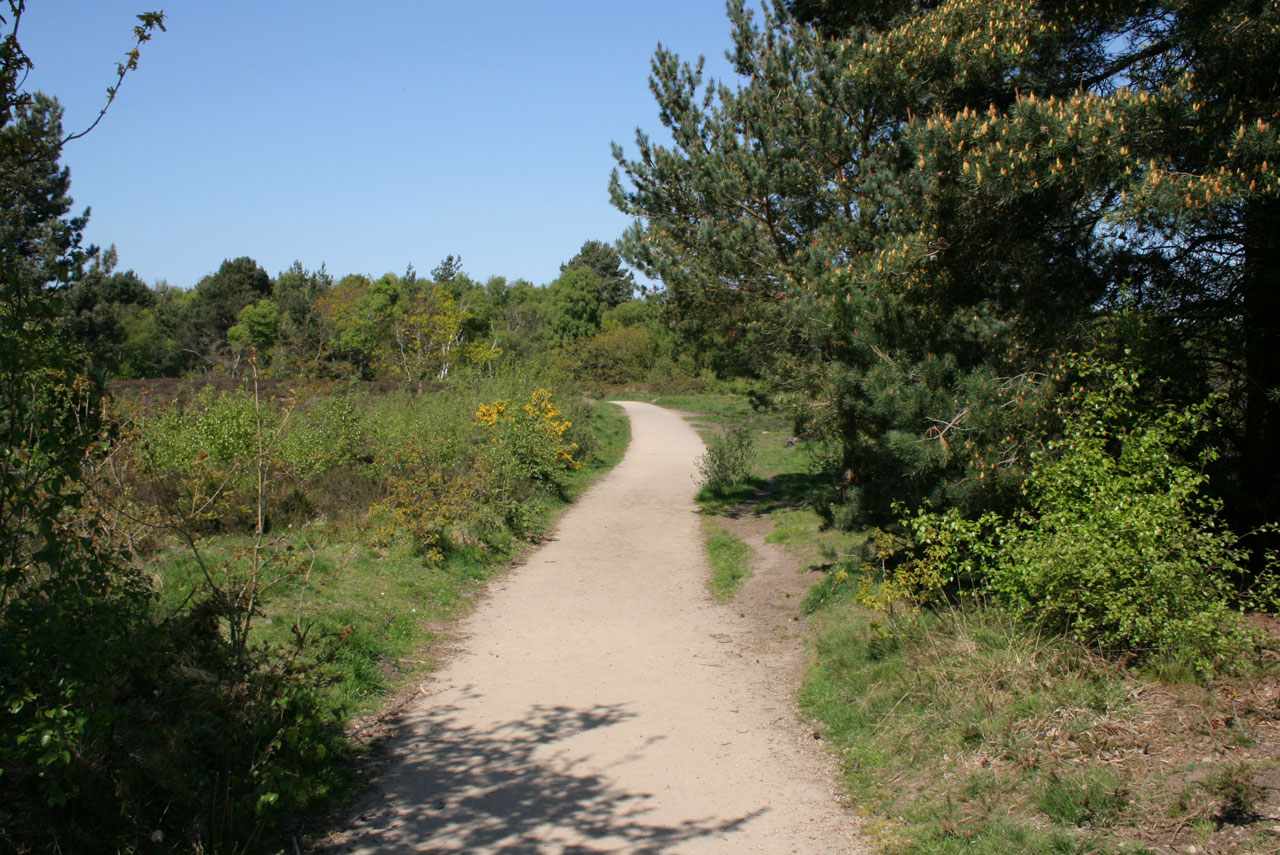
364,136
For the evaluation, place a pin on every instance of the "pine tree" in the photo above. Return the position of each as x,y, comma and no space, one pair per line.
917,208
602,259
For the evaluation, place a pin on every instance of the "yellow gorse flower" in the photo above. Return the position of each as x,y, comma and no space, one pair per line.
488,415
540,425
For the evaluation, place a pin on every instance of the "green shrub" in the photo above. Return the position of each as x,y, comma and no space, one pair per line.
436,509
200,463
946,554
727,461
616,355
1120,546
324,435
531,437
1123,548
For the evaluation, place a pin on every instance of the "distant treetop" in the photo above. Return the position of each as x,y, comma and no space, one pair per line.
603,260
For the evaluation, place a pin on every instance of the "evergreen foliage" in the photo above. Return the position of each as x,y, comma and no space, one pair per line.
618,284
447,270
577,305
220,297
97,309
1119,547
902,214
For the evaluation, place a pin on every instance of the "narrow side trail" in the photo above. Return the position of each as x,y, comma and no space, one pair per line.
600,702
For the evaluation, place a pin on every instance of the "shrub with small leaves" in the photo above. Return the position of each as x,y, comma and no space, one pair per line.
944,555
327,433
1120,547
437,509
531,436
727,461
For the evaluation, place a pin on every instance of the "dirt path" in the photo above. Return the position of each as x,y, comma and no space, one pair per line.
601,702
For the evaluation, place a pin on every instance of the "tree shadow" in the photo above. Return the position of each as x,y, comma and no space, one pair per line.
454,788
788,491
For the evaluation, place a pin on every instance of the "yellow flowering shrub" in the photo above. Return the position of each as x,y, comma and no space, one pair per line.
529,437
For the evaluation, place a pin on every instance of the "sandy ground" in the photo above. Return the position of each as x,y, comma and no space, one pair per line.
601,702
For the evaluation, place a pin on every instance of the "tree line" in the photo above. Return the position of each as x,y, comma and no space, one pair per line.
306,324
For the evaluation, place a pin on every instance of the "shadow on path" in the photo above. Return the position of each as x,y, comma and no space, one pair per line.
483,791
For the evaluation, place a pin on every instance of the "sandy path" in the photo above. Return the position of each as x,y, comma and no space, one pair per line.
602,703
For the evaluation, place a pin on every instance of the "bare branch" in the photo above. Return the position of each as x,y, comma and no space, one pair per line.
141,33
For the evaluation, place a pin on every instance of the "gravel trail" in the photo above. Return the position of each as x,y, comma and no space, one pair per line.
601,702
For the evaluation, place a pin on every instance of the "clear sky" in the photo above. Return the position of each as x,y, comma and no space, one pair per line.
366,136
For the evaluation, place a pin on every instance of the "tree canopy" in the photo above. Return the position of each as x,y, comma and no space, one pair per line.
617,283
906,214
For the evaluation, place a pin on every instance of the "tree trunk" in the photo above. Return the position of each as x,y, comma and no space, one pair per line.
1260,450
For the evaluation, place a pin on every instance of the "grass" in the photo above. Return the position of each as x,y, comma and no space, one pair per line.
969,731
801,531
711,408
1093,797
730,562
965,730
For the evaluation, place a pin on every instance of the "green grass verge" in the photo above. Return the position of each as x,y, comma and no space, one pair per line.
611,430
800,530
722,408
962,731
730,561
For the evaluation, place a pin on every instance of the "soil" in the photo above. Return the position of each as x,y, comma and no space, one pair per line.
598,700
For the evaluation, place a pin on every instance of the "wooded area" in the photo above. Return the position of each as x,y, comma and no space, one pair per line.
909,215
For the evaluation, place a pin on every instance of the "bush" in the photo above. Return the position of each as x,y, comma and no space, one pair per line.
530,437
325,435
727,461
200,462
437,509
1123,549
614,356
132,725
1120,547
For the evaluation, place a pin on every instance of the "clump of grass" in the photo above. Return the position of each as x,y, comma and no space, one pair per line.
730,564
1093,797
